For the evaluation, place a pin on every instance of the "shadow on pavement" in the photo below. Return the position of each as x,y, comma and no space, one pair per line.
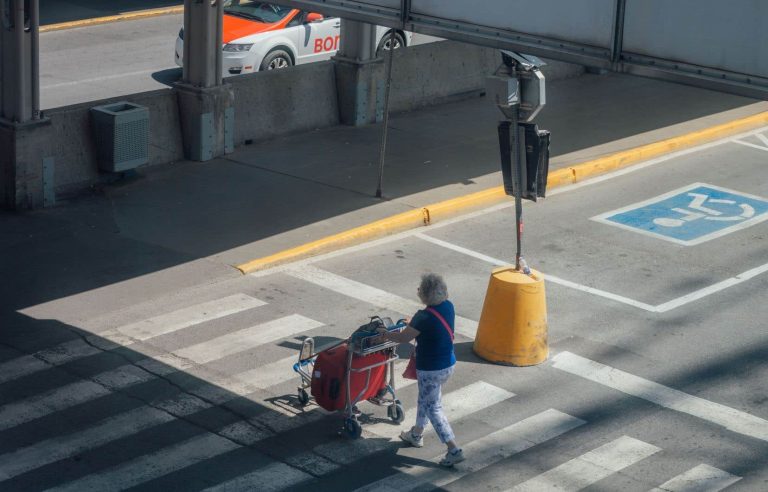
168,76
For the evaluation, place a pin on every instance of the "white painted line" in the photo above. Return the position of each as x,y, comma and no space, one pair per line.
712,289
462,218
750,144
242,340
44,359
58,448
151,466
271,478
20,367
702,478
661,308
189,316
101,79
371,295
272,374
38,406
763,139
603,218
590,467
456,405
549,278
481,453
730,418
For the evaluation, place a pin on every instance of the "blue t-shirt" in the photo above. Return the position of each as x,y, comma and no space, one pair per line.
434,345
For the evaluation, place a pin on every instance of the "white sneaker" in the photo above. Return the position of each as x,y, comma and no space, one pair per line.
415,441
452,457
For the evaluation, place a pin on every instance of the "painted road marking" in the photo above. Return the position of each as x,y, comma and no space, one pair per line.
153,465
44,359
702,478
496,208
661,308
549,278
271,478
482,452
371,295
58,448
763,139
690,215
239,341
34,407
590,467
456,405
730,418
189,316
77,349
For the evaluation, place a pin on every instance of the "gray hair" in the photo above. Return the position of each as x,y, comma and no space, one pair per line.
432,290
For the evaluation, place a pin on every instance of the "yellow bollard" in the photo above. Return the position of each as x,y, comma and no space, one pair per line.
513,326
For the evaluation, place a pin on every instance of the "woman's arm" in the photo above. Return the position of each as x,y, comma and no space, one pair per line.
405,336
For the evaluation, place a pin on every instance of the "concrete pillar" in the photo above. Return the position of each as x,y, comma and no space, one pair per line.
206,104
360,76
26,165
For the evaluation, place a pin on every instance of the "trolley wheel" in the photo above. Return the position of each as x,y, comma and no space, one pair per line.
303,397
352,428
396,413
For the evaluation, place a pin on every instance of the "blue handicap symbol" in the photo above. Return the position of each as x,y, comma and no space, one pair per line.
693,214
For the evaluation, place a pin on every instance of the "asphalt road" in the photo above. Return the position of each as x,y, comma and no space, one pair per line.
656,379
97,62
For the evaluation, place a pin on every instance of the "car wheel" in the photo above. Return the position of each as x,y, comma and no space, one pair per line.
398,41
275,60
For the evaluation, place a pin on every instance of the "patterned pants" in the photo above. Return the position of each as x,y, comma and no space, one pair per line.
430,407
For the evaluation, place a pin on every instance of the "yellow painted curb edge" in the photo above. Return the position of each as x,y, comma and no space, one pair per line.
491,196
141,14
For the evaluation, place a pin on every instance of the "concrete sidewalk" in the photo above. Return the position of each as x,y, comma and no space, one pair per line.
184,224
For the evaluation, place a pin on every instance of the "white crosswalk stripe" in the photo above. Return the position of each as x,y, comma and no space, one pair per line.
125,376
77,349
38,406
58,448
372,295
456,405
590,467
151,466
730,418
239,341
701,478
44,359
481,453
271,478
189,316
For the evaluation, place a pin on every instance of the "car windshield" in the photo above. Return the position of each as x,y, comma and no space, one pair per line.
258,11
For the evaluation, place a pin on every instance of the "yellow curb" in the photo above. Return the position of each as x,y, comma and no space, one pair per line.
491,196
141,14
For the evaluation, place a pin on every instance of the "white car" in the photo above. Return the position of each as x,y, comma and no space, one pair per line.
263,36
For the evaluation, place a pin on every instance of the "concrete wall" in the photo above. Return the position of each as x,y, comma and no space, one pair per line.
442,71
268,104
274,103
74,152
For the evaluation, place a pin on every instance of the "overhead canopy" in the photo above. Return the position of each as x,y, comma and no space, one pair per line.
710,43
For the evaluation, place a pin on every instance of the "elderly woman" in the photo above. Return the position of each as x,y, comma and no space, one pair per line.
432,327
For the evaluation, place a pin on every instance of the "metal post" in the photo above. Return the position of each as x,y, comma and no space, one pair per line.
219,38
383,151
34,19
202,42
517,168
23,111
358,40
618,31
